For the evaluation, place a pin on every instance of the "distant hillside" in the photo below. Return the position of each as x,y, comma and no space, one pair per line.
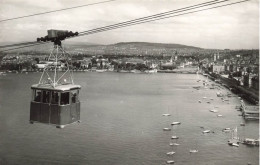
74,43
149,44
122,48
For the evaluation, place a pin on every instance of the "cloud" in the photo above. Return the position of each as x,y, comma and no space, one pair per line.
228,26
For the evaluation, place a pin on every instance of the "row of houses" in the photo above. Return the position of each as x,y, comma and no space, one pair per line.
246,74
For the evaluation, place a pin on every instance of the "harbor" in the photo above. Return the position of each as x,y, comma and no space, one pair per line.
122,122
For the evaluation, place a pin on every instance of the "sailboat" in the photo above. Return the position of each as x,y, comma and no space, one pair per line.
173,124
166,114
234,140
195,150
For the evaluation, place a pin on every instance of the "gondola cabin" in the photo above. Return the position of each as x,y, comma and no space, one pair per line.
57,105
55,99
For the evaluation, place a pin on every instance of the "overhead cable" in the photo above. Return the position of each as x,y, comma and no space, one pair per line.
153,18
141,19
53,11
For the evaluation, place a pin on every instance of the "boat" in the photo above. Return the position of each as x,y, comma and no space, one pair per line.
199,101
170,161
219,94
234,144
175,137
176,123
151,71
174,144
251,142
193,151
226,130
136,71
234,140
101,70
166,129
166,114
204,97
219,115
171,153
206,131
242,124
213,110
2,74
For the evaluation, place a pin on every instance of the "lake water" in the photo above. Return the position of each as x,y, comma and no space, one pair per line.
122,123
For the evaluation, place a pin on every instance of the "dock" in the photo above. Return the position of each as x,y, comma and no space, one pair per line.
250,112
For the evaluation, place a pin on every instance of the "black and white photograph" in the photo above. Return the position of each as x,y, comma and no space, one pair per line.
129,82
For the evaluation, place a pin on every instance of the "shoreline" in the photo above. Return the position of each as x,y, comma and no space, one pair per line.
246,93
188,70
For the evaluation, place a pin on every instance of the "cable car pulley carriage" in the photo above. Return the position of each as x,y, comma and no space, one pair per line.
55,99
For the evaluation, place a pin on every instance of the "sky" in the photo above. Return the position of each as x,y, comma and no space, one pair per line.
231,27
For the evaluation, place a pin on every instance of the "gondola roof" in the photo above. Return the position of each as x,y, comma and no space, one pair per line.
59,87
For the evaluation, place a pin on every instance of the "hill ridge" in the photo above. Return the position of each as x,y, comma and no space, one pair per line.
167,45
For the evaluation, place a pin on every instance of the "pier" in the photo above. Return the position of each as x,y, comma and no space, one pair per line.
250,112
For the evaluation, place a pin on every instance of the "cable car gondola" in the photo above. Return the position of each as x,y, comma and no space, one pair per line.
55,99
